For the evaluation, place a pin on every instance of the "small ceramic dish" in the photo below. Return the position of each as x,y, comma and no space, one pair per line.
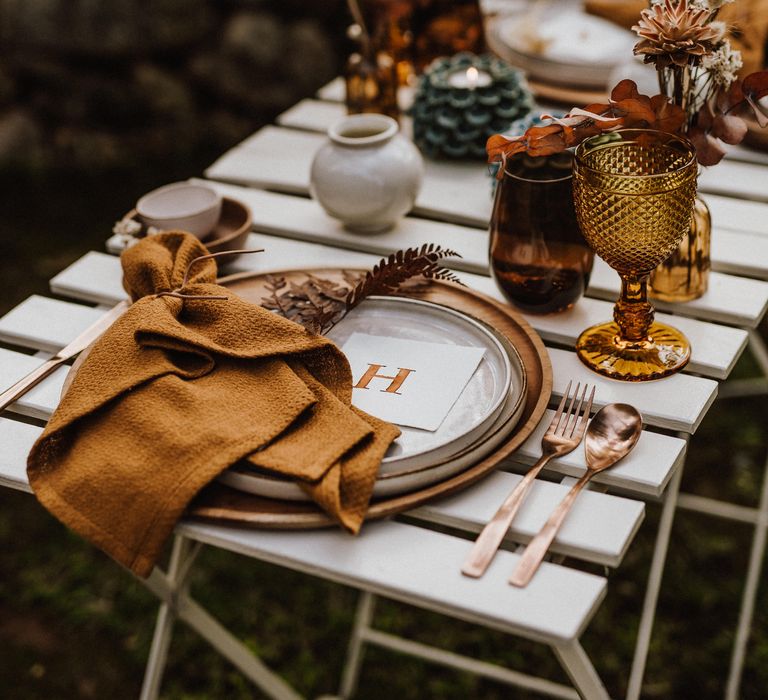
229,233
181,206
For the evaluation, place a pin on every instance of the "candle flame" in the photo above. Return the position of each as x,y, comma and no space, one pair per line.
472,76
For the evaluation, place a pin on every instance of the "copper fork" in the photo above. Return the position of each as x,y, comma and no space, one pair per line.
563,436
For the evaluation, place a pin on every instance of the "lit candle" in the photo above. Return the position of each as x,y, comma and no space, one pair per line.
470,78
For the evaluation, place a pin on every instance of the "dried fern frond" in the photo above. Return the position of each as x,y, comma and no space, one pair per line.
319,304
387,276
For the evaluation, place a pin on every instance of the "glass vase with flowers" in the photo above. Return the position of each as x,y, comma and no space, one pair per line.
696,67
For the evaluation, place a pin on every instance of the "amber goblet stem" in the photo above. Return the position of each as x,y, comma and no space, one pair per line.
632,312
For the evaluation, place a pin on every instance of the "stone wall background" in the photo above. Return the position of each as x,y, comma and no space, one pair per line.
111,83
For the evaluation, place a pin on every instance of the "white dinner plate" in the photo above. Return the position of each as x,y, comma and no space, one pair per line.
480,402
403,475
563,46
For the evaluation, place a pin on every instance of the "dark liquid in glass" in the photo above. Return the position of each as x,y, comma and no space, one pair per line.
539,258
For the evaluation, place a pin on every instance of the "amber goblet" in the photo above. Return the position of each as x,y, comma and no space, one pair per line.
634,192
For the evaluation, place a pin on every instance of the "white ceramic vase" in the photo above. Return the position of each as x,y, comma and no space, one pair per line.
367,175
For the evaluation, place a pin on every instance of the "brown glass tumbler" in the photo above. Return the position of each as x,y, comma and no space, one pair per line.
539,258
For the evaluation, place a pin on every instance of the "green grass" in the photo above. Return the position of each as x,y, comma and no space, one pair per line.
75,625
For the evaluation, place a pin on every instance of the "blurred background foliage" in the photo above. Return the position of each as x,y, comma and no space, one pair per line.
102,100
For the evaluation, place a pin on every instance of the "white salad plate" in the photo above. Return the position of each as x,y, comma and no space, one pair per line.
485,413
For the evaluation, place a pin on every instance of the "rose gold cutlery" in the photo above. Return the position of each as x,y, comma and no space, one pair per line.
611,435
71,350
563,436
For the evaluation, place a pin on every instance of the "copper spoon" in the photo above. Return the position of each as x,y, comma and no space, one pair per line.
611,435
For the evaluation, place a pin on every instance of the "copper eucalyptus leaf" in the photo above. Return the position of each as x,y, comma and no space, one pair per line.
729,128
755,85
624,90
709,151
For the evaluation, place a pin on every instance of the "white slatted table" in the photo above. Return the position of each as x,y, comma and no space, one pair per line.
409,560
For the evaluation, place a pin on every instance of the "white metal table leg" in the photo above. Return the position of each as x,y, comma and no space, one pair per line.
581,671
176,603
750,593
231,648
166,616
654,584
757,553
363,617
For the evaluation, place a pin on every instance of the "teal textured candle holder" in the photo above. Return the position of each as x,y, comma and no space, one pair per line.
462,100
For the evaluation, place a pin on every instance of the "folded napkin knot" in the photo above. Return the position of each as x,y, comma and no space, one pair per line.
179,292
175,393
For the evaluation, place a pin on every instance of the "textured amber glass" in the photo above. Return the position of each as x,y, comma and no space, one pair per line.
684,275
634,192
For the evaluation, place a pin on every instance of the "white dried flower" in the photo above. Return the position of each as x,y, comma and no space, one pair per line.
710,5
127,227
717,4
723,65
721,28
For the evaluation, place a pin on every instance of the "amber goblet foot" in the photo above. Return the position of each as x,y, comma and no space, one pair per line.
634,192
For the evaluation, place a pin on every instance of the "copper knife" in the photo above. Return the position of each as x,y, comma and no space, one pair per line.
66,353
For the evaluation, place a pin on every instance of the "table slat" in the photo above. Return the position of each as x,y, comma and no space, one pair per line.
607,523
737,214
715,348
335,91
729,299
679,402
39,401
279,159
17,439
645,471
46,324
421,567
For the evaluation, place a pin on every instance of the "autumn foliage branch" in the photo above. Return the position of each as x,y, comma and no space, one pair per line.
627,108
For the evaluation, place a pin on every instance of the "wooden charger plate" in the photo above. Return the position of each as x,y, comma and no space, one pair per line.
221,503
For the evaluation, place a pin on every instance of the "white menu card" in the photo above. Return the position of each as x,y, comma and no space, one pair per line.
408,382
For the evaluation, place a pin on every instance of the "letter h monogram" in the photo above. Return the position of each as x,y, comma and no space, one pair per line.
373,372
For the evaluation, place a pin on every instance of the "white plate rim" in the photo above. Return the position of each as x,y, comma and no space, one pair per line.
477,429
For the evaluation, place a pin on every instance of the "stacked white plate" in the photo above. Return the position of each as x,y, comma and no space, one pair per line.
485,413
561,45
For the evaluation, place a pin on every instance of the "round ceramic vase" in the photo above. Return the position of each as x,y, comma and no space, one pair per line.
367,175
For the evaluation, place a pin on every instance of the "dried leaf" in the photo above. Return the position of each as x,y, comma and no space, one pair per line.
755,85
729,128
387,276
318,304
709,151
628,108
669,117
624,90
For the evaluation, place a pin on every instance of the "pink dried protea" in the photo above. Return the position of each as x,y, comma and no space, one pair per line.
676,32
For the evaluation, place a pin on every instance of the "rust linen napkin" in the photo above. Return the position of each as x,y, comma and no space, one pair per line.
178,390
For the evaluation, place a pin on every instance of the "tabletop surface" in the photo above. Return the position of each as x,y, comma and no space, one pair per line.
269,172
